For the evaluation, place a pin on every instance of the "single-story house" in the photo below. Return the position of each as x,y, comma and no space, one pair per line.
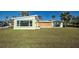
32,22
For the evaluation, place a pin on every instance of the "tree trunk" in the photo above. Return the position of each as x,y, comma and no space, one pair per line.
65,24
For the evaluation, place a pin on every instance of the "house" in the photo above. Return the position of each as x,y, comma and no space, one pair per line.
32,22
26,22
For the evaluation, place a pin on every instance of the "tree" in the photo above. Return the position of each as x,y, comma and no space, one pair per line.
53,17
25,13
6,23
75,21
40,17
65,17
12,20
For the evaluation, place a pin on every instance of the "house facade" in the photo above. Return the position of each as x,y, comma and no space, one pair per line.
32,22
26,22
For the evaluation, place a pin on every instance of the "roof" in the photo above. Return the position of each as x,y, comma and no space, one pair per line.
43,21
25,16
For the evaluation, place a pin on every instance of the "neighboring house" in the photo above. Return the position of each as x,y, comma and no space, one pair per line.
32,22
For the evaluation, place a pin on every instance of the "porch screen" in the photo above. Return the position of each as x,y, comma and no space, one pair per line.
24,23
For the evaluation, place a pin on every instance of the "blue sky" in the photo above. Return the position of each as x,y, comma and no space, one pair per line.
46,15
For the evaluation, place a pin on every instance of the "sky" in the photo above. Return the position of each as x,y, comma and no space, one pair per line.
46,15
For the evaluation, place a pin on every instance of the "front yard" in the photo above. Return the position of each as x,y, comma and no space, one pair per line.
42,38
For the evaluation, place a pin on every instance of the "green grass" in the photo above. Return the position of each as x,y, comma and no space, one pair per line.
42,38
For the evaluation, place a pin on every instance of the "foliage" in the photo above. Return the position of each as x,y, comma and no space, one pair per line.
65,17
75,20
53,16
24,13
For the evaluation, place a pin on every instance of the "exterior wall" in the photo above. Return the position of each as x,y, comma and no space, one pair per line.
44,24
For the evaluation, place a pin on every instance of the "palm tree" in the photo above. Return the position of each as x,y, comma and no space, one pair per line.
6,19
12,20
53,17
65,17
25,13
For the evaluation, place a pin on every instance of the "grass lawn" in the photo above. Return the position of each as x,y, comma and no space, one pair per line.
42,38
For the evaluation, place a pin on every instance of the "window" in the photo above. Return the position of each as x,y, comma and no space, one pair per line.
24,23
17,23
30,23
